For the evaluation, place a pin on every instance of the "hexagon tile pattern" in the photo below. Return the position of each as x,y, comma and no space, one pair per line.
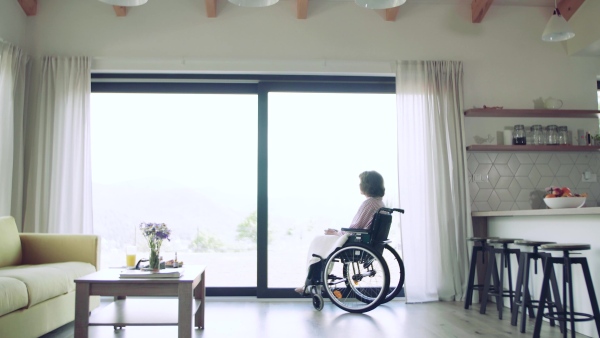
517,181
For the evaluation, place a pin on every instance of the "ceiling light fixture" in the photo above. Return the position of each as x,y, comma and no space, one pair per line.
557,29
254,3
126,3
379,4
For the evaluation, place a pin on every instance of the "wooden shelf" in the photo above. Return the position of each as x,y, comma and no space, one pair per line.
557,113
513,148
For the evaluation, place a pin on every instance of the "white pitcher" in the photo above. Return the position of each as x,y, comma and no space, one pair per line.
552,103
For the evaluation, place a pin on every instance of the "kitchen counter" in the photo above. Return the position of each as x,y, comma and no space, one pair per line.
539,212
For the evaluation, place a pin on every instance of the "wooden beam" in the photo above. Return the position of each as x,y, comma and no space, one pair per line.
29,7
301,9
120,10
211,8
391,13
478,9
568,7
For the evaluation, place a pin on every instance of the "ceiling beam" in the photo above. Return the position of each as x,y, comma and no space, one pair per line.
211,8
391,13
29,7
301,9
120,10
568,7
478,9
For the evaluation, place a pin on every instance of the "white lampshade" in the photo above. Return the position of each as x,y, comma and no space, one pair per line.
126,3
253,3
557,29
379,4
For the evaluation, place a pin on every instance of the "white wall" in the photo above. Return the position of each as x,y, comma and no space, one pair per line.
505,61
13,23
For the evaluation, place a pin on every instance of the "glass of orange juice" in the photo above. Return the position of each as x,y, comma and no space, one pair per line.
131,251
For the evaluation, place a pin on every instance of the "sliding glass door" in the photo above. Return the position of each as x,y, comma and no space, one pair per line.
188,160
318,145
245,170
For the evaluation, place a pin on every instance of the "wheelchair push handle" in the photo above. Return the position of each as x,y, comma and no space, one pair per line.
390,210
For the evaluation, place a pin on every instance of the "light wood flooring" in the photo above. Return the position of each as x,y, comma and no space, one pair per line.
296,318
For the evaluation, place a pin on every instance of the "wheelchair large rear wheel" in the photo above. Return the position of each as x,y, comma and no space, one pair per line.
356,278
396,267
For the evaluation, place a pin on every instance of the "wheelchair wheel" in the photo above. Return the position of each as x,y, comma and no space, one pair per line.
356,278
396,267
317,301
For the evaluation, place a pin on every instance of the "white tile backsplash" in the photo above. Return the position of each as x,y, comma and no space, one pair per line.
516,181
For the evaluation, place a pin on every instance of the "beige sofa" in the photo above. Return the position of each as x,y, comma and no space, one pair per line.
37,272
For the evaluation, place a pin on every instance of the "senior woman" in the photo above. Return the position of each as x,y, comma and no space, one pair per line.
371,185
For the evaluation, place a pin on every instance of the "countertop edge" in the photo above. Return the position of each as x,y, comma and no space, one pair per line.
538,212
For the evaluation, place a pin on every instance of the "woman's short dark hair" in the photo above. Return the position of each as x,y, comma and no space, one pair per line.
371,184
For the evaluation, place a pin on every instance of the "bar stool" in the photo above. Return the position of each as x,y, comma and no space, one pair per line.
497,274
522,286
567,315
479,246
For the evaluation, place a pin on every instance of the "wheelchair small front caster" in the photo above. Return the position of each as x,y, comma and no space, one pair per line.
317,301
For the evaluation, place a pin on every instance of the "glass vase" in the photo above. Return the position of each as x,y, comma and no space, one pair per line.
155,260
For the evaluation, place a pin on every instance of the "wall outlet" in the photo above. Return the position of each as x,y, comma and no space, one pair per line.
479,178
589,177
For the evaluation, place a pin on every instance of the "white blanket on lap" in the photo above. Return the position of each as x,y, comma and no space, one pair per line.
324,246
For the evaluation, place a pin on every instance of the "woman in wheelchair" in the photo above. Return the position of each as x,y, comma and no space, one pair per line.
349,266
371,185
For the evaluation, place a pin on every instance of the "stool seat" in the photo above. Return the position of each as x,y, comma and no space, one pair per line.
502,240
525,242
565,247
476,239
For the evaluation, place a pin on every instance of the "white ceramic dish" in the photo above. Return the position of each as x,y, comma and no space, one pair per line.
564,202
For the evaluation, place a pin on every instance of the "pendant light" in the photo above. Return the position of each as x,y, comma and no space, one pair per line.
254,3
379,4
126,3
557,29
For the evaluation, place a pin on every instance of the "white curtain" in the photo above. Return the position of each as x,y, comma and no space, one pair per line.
58,196
13,74
432,180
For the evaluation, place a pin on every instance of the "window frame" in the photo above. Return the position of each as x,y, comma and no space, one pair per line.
259,85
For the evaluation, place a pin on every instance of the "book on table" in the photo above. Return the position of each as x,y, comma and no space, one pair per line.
163,273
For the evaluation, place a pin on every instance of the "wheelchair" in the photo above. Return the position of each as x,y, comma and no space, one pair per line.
365,272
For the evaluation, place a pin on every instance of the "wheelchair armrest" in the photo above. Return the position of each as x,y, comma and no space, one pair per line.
356,231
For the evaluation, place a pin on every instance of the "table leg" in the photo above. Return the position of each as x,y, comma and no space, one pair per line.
82,309
185,310
200,293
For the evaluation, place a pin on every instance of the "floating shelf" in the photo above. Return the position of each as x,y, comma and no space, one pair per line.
513,148
558,113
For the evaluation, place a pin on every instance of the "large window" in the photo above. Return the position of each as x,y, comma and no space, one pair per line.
188,160
318,145
244,170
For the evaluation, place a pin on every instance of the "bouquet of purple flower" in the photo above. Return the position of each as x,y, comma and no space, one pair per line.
155,233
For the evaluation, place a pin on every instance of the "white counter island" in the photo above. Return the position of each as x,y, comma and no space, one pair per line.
578,225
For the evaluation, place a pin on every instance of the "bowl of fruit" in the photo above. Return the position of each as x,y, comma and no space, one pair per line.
560,198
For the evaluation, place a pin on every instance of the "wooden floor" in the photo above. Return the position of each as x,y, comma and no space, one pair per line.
296,318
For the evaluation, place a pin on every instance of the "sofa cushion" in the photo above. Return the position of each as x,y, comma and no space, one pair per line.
45,281
13,295
10,243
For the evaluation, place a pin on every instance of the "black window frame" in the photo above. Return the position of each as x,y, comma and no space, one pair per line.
259,85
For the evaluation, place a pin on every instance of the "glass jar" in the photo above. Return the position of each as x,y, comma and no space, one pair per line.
538,134
519,135
563,137
551,135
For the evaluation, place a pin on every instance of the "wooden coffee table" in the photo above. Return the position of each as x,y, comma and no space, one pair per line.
189,290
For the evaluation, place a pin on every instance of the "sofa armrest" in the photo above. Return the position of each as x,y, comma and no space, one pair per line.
55,248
